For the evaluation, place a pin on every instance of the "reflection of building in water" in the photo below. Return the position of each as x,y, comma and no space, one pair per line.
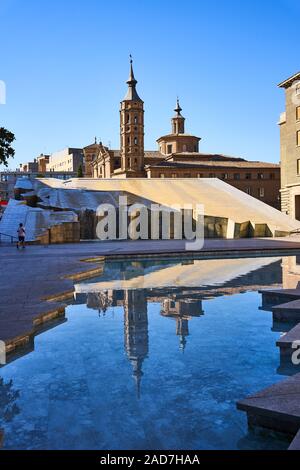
182,311
179,287
101,300
136,331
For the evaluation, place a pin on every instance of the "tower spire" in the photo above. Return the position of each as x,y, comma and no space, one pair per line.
131,82
178,108
178,120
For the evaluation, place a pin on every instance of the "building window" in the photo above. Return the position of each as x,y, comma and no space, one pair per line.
261,192
248,191
169,148
127,118
135,120
128,140
184,148
248,176
298,166
237,176
298,138
298,113
161,175
224,176
135,141
260,176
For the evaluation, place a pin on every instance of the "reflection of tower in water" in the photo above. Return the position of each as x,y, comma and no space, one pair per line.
182,330
182,311
136,331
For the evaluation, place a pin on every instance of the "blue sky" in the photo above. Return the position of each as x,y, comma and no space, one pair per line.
65,64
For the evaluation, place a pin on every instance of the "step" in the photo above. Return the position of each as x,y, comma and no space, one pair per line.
276,407
272,297
287,312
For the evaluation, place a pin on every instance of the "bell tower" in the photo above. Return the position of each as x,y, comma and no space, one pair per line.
178,120
132,130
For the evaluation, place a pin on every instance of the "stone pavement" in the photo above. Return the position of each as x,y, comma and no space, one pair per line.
276,407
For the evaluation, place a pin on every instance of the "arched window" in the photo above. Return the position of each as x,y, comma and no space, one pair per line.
135,141
135,120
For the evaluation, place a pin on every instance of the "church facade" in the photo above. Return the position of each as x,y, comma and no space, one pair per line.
178,155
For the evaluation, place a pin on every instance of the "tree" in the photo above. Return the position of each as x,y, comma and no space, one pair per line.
6,150
80,172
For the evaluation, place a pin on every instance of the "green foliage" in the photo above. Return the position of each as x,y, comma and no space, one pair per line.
6,151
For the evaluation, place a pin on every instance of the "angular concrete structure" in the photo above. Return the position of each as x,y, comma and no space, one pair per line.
229,213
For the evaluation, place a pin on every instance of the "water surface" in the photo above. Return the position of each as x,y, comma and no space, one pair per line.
155,368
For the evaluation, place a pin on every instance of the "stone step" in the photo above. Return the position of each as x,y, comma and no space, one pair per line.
287,312
272,297
285,344
276,407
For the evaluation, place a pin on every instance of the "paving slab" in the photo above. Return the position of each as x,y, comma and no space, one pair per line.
276,407
288,364
287,339
274,297
287,312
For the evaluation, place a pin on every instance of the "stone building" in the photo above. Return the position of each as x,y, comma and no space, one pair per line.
69,159
43,161
29,167
290,147
178,155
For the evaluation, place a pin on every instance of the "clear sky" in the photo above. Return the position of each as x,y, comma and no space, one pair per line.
65,63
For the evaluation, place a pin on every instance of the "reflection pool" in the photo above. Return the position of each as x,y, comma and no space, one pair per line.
151,355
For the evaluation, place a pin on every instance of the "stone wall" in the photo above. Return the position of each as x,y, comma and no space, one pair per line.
68,232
